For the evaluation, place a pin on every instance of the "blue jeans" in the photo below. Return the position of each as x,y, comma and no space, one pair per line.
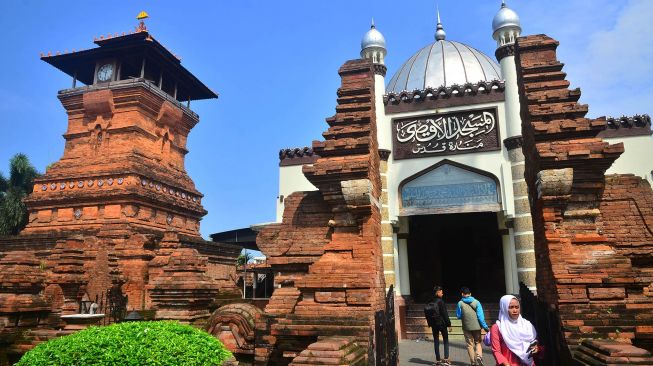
436,341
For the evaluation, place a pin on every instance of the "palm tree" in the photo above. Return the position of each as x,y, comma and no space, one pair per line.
242,261
13,213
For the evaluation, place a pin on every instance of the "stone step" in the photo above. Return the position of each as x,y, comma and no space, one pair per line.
452,313
427,330
422,320
429,336
426,333
417,327
416,310
489,319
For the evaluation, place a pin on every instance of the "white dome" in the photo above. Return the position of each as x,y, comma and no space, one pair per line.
444,63
373,38
506,17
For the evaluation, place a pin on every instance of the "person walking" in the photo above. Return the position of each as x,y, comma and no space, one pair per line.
513,338
437,318
470,311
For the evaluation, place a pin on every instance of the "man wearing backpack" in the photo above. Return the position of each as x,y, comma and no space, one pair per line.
470,311
437,318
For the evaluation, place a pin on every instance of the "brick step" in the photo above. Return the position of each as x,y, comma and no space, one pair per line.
543,68
550,85
547,67
545,76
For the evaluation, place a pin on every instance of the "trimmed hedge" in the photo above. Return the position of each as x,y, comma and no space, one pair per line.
160,343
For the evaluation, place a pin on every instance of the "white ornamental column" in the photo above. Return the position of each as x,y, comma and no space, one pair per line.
506,28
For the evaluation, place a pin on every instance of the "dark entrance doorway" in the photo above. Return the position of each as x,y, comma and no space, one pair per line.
454,250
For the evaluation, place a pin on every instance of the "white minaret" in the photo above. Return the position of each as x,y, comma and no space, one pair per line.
519,245
373,49
506,29
373,46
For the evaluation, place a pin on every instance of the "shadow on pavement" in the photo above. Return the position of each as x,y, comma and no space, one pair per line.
419,361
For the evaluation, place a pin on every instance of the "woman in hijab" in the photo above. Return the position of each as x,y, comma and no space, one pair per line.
513,338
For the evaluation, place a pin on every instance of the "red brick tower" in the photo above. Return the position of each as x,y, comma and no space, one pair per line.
117,212
123,161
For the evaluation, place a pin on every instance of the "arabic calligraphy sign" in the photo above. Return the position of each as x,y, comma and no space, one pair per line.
446,134
449,186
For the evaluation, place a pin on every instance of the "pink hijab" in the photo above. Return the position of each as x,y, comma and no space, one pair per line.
517,334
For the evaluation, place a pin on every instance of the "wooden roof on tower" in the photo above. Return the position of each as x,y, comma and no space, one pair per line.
81,64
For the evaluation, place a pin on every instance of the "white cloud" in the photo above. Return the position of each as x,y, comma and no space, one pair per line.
607,48
624,54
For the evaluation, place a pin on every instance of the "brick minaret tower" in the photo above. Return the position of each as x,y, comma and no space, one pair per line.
117,215
123,162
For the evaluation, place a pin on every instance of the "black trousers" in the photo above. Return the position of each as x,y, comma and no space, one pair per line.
436,341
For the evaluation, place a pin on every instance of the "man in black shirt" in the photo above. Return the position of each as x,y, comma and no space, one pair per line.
437,318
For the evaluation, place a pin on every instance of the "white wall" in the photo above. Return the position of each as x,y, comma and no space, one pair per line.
291,179
494,162
637,158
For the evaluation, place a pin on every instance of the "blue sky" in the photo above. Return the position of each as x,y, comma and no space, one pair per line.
275,66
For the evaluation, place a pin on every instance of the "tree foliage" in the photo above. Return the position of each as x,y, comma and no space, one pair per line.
243,258
160,343
13,213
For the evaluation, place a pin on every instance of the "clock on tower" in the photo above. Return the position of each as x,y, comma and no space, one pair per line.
105,73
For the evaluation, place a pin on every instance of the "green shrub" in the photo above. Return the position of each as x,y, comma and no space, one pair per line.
158,343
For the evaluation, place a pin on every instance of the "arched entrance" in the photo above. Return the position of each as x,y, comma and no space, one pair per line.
453,236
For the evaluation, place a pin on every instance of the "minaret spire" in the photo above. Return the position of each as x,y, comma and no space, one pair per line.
373,45
506,26
440,34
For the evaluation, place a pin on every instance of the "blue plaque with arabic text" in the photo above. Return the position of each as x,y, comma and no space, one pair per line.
446,134
447,186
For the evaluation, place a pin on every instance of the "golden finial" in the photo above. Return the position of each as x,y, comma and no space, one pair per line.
141,26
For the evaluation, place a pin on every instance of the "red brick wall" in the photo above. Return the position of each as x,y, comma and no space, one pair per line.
593,237
326,253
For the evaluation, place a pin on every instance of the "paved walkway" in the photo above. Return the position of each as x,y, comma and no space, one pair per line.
422,353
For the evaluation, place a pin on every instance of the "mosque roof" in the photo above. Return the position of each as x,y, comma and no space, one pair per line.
444,63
